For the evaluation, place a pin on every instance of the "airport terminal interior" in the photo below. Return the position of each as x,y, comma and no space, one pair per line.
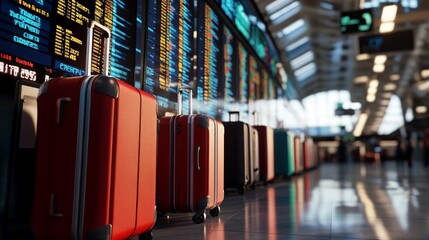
214,119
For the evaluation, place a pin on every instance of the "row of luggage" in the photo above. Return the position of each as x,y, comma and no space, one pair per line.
106,165
102,155
249,154
294,154
100,148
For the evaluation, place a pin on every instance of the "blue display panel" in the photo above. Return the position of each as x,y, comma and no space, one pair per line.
242,21
120,17
209,85
229,7
42,39
243,66
25,37
229,53
254,80
246,18
169,54
243,82
265,87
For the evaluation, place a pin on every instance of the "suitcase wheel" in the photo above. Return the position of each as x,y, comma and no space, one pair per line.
214,212
199,217
146,235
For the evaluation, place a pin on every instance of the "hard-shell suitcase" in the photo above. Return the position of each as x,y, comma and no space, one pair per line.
17,165
298,159
306,154
283,153
266,153
190,172
96,159
254,156
238,151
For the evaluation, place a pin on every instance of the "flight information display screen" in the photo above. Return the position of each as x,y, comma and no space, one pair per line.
229,53
243,59
245,17
255,79
40,39
265,85
209,86
120,17
169,50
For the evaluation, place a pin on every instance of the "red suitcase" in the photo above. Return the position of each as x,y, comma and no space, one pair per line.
306,154
96,160
190,167
266,152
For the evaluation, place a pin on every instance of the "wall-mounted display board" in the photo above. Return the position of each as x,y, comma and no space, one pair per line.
41,39
169,50
210,83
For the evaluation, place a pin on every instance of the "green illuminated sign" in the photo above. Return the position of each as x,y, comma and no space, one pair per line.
356,21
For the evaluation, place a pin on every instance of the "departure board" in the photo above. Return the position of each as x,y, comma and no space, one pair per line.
242,21
255,79
229,8
25,39
70,21
209,86
246,19
265,86
40,39
120,17
271,89
169,50
229,54
243,59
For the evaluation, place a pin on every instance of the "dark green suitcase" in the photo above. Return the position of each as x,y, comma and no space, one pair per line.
283,153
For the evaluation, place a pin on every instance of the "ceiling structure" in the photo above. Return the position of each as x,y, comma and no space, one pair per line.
318,57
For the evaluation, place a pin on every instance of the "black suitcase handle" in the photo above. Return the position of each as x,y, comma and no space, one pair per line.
234,113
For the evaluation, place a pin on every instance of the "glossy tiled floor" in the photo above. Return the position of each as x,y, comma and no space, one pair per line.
335,201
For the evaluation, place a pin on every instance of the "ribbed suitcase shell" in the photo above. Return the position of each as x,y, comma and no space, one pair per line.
298,159
283,153
190,175
96,160
237,155
266,153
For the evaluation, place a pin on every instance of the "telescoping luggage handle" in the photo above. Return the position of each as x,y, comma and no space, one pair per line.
234,113
180,99
90,36
89,47
255,118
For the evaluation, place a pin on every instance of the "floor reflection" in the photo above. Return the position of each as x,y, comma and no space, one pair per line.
335,201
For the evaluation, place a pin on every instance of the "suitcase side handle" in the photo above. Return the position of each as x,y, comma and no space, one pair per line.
198,158
53,208
60,108
234,113
89,47
180,99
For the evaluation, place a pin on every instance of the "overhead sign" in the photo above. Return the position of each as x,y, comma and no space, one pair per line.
356,21
388,42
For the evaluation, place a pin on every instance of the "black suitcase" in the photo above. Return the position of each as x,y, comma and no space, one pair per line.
17,166
238,166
